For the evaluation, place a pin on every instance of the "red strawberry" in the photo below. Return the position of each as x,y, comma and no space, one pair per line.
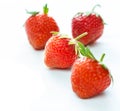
38,28
59,53
90,22
89,76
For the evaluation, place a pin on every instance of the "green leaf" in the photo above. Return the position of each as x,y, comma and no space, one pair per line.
78,14
81,49
84,51
89,53
102,57
54,33
33,13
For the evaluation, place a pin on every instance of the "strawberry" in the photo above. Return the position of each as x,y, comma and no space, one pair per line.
90,22
59,53
89,77
38,28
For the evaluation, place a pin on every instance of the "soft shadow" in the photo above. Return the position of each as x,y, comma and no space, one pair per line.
95,44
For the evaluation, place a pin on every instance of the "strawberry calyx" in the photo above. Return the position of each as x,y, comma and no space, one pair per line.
80,49
93,11
89,12
83,51
33,13
45,9
86,52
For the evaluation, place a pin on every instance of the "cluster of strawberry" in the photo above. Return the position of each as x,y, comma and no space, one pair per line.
89,76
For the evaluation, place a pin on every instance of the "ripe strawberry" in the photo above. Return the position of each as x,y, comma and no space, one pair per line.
89,76
90,22
38,28
59,52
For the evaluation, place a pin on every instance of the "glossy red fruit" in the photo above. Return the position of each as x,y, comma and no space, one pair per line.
59,53
38,28
89,76
88,22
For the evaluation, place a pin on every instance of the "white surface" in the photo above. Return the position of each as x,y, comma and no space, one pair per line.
26,84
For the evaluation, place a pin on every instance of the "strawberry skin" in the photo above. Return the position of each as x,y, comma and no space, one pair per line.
38,28
59,53
92,23
89,78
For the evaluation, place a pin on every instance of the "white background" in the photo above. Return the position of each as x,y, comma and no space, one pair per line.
26,84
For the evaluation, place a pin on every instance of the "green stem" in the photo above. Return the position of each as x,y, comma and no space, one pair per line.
45,9
80,36
95,7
